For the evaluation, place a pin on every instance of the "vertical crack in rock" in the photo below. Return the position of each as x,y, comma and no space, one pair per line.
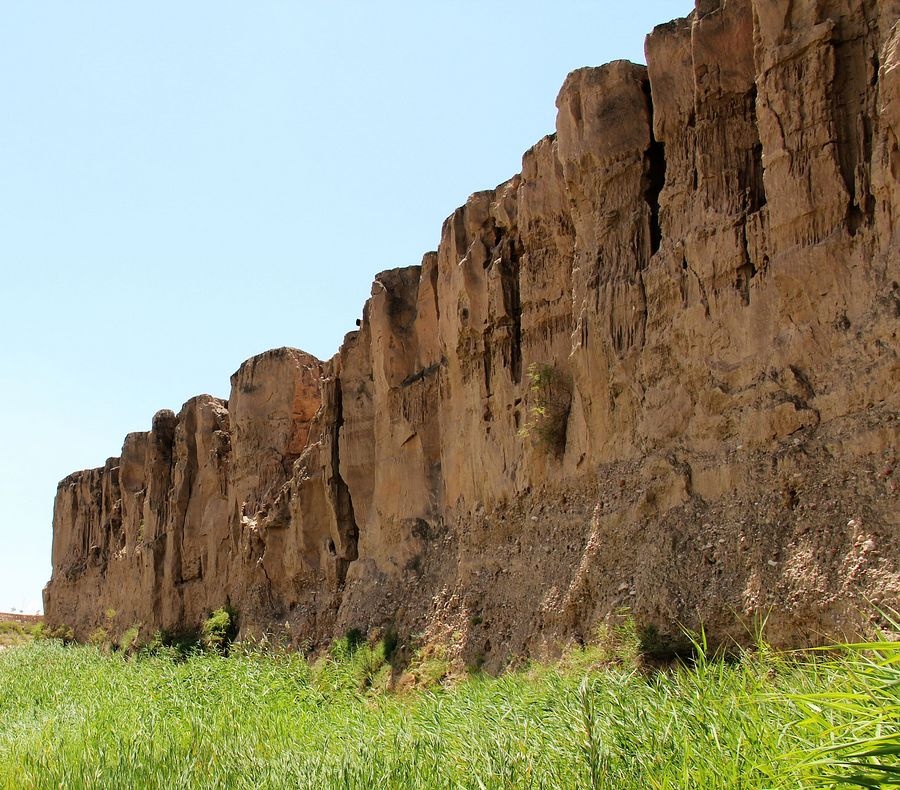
343,502
502,335
654,176
487,361
160,464
512,305
162,447
852,108
183,486
746,271
751,178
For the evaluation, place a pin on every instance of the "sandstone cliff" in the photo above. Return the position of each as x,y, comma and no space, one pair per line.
699,271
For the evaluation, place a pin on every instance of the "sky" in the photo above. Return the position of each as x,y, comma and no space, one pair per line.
185,185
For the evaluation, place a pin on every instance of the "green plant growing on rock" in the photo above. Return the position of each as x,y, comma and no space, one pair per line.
353,661
550,401
129,641
430,666
219,630
99,638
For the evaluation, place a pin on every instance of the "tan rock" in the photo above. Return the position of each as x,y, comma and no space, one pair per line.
704,258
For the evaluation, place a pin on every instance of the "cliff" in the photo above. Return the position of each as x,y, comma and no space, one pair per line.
657,369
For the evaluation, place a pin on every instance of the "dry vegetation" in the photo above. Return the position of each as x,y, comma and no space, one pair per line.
17,629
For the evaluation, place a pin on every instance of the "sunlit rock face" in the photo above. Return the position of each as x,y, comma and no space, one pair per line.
697,275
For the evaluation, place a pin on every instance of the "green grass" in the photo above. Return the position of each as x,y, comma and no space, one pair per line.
77,717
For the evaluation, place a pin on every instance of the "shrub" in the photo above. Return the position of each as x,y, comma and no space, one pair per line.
550,401
176,647
61,632
99,638
219,630
430,666
368,661
11,628
12,633
353,661
157,642
129,640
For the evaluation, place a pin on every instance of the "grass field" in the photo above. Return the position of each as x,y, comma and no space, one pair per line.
80,717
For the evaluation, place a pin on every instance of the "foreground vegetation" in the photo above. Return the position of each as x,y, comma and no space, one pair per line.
78,717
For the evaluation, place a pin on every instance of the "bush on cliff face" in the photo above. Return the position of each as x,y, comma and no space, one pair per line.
357,662
550,400
99,638
219,630
64,633
129,641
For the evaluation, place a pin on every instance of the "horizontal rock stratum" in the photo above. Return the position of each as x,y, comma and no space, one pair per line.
658,369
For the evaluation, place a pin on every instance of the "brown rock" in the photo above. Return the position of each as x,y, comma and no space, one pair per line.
706,254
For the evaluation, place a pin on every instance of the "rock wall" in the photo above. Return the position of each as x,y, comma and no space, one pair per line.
657,370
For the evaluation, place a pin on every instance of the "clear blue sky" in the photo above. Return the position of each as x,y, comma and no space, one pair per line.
184,185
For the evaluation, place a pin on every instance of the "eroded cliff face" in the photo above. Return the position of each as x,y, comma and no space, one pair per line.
703,261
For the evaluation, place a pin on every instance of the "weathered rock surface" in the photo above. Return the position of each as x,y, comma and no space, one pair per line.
703,261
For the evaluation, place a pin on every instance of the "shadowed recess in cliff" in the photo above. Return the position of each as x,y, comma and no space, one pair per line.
751,178
343,502
654,175
856,84
510,253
